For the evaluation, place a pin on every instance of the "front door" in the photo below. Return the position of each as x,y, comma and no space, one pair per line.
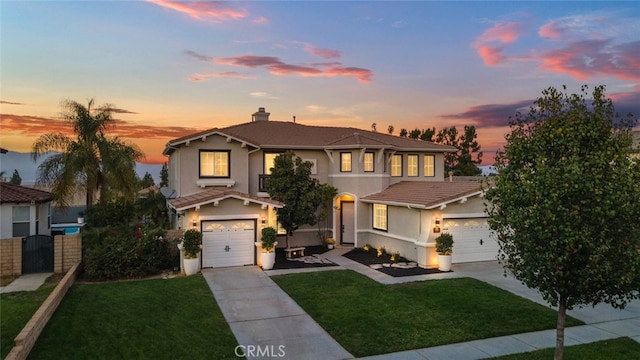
347,222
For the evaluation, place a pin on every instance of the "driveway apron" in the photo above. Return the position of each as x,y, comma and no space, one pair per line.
266,322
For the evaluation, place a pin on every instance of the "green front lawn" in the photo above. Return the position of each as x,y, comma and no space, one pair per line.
369,318
621,348
145,319
15,311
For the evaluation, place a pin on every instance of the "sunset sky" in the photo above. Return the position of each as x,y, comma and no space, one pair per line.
171,68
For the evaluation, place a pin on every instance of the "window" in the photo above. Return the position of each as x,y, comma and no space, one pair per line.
345,162
21,221
412,165
396,165
429,165
380,217
214,163
269,162
368,162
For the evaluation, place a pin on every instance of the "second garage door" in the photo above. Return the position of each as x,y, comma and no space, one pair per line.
228,243
472,240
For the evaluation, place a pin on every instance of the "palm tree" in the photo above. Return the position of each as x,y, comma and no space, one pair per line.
91,162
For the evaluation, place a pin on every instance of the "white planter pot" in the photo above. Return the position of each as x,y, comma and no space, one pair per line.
330,246
444,262
191,266
80,220
268,259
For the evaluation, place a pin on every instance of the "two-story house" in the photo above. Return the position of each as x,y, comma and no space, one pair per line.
392,191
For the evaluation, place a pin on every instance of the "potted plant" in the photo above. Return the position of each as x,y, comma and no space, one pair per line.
268,243
81,217
444,248
330,242
191,242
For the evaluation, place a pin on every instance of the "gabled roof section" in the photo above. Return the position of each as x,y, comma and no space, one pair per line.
214,195
425,194
290,135
17,194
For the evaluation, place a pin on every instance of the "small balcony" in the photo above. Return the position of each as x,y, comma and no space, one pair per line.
262,182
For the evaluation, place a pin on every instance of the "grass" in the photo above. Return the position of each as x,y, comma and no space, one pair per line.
15,311
144,319
368,318
621,348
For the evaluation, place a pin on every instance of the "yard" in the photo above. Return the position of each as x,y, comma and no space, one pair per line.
622,348
369,318
153,319
15,311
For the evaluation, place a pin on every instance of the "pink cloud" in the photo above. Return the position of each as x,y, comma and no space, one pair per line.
216,10
277,67
198,77
552,30
589,58
499,34
323,53
503,32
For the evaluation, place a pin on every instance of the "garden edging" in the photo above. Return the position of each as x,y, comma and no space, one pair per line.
27,338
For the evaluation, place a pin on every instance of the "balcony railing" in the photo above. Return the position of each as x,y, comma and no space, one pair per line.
262,182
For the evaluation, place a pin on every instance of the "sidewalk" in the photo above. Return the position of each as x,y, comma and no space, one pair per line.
260,313
29,282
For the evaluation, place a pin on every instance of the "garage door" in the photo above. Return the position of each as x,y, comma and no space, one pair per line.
472,240
228,243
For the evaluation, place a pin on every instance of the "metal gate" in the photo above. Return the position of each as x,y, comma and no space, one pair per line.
37,254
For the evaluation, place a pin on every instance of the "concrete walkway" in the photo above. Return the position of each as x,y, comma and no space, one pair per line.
266,322
28,282
260,313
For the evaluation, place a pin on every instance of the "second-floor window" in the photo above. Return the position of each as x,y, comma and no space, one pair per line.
396,165
368,162
345,162
214,163
412,165
269,162
429,165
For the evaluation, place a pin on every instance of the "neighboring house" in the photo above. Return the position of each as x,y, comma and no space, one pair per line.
392,190
24,211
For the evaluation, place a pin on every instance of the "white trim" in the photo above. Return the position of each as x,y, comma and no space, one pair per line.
366,175
217,200
215,182
229,217
464,215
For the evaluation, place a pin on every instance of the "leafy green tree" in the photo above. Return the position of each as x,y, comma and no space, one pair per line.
90,161
428,134
152,208
415,133
390,129
15,178
565,203
146,181
164,176
291,183
404,132
461,162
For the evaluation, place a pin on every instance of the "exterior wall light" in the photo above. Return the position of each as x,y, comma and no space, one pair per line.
436,229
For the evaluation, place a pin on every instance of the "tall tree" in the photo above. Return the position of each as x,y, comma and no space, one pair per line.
566,200
415,133
15,178
390,129
291,183
404,132
91,161
164,176
468,145
449,136
428,134
146,181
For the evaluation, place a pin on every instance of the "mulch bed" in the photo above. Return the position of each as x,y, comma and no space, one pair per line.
371,258
283,263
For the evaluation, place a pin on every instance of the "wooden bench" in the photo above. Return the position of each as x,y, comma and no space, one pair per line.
299,251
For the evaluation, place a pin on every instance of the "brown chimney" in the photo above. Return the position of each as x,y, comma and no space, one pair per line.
260,115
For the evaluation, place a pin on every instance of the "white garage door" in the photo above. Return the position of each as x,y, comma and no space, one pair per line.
472,240
228,243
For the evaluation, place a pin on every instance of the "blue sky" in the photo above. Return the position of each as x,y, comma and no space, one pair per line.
172,67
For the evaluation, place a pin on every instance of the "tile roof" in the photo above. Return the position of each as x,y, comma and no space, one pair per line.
10,193
281,134
425,194
212,195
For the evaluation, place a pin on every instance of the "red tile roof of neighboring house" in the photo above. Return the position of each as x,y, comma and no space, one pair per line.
425,194
10,193
213,195
287,135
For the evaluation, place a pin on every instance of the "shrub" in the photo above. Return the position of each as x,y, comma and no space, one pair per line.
366,247
381,251
395,256
124,252
115,212
269,237
191,243
444,244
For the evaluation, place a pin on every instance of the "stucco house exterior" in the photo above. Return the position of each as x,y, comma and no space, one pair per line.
24,211
392,191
